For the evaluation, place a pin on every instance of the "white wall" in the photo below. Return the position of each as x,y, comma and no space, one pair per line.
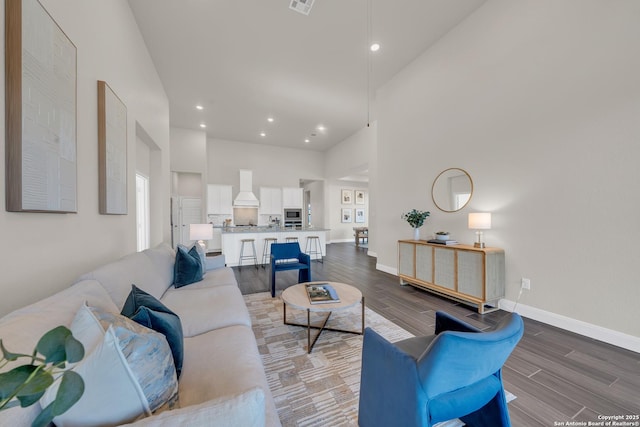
343,231
539,101
272,166
43,253
351,156
188,151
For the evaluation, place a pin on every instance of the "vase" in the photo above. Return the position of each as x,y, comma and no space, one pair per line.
416,233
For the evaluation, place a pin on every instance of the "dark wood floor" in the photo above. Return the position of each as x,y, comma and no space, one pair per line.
556,375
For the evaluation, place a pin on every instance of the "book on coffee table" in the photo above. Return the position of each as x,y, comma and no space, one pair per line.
322,293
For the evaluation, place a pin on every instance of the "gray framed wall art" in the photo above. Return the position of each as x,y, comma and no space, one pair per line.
40,109
112,151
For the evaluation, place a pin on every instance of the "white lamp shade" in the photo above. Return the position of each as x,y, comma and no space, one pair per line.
480,221
200,231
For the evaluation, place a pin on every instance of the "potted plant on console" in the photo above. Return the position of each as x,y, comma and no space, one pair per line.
416,219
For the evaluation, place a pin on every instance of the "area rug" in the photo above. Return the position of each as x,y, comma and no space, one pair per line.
321,388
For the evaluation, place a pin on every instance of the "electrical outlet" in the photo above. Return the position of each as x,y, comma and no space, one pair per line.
526,283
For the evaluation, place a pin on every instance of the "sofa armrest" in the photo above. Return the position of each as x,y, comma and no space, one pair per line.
244,409
213,262
446,322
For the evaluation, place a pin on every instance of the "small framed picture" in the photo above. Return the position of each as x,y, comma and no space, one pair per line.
359,215
359,197
347,197
346,215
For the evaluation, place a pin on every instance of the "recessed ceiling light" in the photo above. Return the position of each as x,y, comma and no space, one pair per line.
270,119
374,47
263,134
202,125
321,128
307,140
199,107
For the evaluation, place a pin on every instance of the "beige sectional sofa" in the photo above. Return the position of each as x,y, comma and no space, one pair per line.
223,380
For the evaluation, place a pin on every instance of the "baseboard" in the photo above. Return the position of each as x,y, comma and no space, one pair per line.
596,332
387,269
599,333
373,254
342,240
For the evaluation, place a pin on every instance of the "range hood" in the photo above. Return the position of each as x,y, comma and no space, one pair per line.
246,198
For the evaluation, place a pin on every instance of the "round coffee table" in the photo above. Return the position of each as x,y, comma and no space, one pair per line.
296,297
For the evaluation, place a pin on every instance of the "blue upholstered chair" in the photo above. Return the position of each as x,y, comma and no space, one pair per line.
287,256
455,373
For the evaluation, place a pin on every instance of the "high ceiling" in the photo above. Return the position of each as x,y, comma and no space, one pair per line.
244,61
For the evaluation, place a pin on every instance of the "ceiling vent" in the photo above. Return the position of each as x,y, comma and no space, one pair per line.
301,6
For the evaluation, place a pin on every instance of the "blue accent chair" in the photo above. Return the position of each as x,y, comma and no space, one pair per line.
455,373
288,256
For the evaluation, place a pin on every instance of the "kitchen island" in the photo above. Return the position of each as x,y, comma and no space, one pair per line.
232,236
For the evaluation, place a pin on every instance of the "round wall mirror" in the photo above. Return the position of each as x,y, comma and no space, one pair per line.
452,190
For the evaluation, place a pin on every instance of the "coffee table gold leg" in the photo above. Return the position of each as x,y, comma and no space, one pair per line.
362,303
309,331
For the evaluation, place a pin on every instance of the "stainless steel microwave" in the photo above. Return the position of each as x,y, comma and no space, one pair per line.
293,214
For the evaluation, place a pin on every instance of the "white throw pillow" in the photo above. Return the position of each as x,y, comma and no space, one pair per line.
111,395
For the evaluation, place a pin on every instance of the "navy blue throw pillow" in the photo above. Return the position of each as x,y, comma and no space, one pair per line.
147,311
188,268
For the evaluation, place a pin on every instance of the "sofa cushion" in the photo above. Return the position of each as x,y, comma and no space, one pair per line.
218,277
237,368
21,329
187,268
204,309
163,257
151,313
117,277
244,409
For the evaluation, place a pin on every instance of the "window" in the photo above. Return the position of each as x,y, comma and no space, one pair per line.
142,212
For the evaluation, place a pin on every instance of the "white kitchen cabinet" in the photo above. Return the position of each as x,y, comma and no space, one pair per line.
219,200
292,197
215,244
270,201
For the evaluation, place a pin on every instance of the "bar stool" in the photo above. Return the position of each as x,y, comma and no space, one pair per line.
291,239
249,257
266,251
314,247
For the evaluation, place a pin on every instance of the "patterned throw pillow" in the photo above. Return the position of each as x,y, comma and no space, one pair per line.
148,355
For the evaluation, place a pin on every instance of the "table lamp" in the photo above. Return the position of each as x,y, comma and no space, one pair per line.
201,232
479,221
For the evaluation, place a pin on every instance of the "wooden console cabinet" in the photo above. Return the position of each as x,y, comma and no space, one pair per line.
460,272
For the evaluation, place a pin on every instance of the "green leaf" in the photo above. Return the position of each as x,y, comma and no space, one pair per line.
52,345
74,349
39,383
8,355
12,380
11,404
45,417
70,391
28,400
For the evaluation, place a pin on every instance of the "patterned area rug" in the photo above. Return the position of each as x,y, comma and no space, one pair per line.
321,388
